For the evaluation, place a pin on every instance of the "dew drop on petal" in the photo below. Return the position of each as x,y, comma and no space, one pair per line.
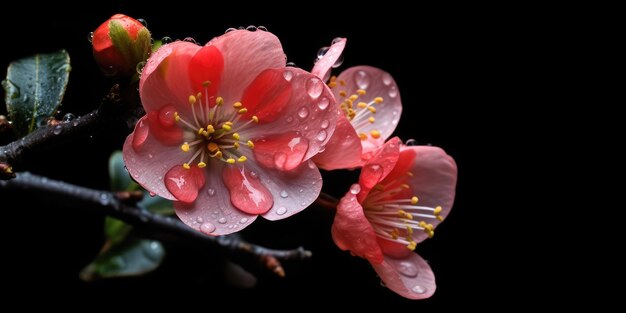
314,87
290,119
321,135
291,64
140,66
284,194
199,219
393,91
281,211
90,37
288,75
336,40
407,269
210,192
323,103
411,142
230,30
207,228
355,189
322,51
362,79
418,289
253,174
251,28
303,112
387,79
243,220
325,124
222,220
152,194
263,28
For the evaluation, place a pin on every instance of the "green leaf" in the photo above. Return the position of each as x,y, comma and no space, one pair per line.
120,179
131,257
116,230
34,89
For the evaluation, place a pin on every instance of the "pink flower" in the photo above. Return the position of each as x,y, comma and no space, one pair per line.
229,131
403,194
369,111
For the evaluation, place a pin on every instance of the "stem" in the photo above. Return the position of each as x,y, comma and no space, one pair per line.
327,201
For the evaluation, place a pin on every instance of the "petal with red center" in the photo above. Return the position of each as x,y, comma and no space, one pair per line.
410,277
284,151
322,66
184,183
267,96
376,83
379,166
310,111
206,65
343,150
168,134
433,181
246,54
352,231
247,193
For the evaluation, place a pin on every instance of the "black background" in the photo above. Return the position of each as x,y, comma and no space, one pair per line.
450,65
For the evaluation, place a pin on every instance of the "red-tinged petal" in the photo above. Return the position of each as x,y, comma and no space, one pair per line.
168,135
247,193
206,65
410,277
267,96
140,134
394,249
433,181
323,65
352,231
246,55
376,83
343,150
283,152
184,183
379,166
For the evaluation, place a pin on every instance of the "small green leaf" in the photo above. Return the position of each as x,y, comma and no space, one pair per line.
116,230
120,179
132,257
34,89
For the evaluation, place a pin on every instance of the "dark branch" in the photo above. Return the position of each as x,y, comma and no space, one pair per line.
109,203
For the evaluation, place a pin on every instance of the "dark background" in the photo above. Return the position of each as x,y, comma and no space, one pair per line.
449,64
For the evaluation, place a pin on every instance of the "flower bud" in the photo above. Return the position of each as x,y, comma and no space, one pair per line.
119,44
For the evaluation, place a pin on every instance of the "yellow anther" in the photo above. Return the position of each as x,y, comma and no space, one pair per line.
185,147
405,186
201,165
333,78
363,136
199,95
343,93
438,210
236,136
206,83
212,146
332,85
375,134
394,233
409,174
371,119
378,100
230,161
205,134
237,105
210,129
242,159
372,109
192,99
176,116
242,111
362,105
218,154
404,214
201,131
412,245
439,218
229,123
255,119
361,92
429,227
236,145
250,144
219,100
422,224
186,166
342,82
414,200
431,234
226,127
409,230
353,97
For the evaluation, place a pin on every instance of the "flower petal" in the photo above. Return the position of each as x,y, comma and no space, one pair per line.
281,151
267,96
343,150
322,66
247,193
184,183
352,231
410,277
376,83
379,166
206,65
246,55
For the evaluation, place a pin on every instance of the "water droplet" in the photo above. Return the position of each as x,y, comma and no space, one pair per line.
301,190
165,40
323,103
152,194
291,64
303,203
189,39
57,129
325,124
387,79
407,269
281,211
243,220
230,30
303,112
289,119
419,289
339,62
139,67
314,87
321,135
104,199
263,28
288,75
322,149
336,40
150,156
199,219
241,28
322,51
284,194
355,189
75,123
210,192
207,228
90,36
254,174
362,79
143,22
222,220
251,28
411,142
68,117
393,91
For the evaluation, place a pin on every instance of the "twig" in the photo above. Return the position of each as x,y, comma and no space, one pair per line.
108,203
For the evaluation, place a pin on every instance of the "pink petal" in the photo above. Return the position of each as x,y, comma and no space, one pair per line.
282,151
379,166
410,277
343,150
377,83
267,96
247,193
178,75
352,231
246,55
310,111
433,181
162,128
147,159
206,65
323,65
184,183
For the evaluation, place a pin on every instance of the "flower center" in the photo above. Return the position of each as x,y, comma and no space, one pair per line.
396,218
213,132
359,113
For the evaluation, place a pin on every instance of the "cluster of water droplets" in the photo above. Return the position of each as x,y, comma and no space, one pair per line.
323,50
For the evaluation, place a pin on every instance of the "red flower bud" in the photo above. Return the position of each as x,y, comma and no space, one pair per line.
119,44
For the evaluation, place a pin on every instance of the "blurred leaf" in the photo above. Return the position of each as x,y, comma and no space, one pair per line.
116,230
34,88
157,205
132,257
120,179
156,45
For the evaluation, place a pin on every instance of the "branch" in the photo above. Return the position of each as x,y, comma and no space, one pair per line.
110,203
